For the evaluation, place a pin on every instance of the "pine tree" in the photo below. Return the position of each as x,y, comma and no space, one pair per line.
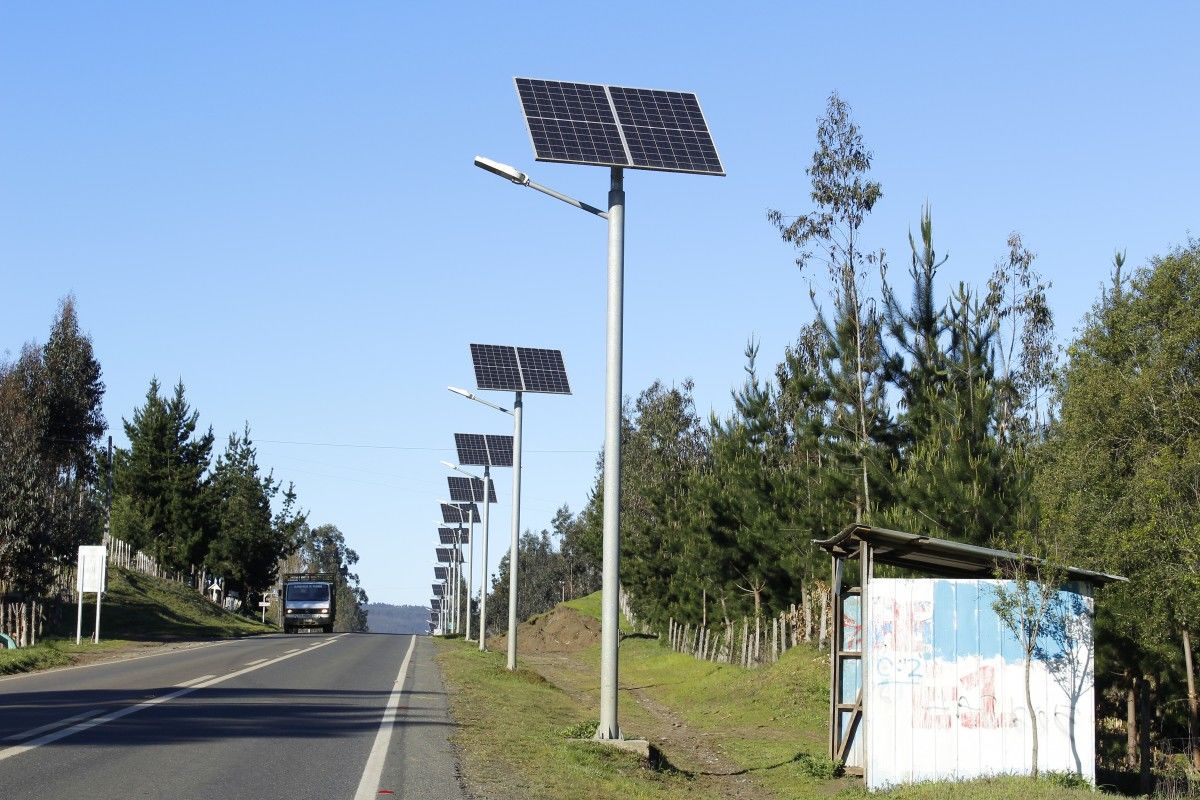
160,482
247,546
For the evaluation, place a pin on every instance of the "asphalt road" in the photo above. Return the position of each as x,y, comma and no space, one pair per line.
352,716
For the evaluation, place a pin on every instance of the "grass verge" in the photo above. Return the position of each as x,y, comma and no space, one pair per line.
515,736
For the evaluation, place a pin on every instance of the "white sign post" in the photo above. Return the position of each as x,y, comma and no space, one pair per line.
90,576
264,605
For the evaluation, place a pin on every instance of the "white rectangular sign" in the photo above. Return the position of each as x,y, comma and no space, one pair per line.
92,572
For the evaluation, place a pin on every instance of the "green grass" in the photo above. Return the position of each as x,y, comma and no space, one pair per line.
137,610
144,608
29,659
770,722
514,735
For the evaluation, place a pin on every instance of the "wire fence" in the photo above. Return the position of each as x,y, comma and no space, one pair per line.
24,617
751,641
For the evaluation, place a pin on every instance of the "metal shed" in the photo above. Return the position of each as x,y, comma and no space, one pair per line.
926,681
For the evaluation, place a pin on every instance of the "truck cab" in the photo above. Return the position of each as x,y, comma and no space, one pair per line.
309,601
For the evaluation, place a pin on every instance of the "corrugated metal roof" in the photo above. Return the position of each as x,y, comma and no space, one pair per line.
938,556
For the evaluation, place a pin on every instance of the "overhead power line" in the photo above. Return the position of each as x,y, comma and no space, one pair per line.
392,446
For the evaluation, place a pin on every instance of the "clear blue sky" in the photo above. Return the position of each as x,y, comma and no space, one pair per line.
276,204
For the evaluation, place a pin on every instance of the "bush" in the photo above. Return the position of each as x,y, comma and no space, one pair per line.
819,767
581,730
1067,780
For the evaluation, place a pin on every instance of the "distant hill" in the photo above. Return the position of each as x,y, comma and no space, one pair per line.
387,618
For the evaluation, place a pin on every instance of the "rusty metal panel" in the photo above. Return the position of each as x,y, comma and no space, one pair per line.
946,691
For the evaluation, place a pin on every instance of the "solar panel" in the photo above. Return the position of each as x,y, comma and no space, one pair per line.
500,450
472,449
617,126
571,122
435,603
440,573
443,555
438,589
465,490
451,513
519,369
665,131
496,367
543,370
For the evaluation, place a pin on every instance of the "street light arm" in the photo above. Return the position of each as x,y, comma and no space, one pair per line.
477,399
521,179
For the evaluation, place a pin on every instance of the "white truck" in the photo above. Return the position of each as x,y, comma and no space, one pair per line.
309,601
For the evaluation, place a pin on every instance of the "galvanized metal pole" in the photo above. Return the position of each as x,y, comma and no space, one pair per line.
516,536
487,492
470,571
611,573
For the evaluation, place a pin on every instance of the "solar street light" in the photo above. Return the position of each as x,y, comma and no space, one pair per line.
517,370
617,127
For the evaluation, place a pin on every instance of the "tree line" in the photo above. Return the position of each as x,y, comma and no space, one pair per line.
949,412
163,493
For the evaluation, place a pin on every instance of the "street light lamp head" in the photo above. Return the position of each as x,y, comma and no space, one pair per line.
448,465
463,392
503,170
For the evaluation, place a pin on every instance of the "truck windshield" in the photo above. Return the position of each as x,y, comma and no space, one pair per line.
307,591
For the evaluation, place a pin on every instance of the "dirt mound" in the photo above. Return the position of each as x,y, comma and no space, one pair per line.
561,630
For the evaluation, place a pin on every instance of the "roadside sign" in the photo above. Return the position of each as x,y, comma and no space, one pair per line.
91,574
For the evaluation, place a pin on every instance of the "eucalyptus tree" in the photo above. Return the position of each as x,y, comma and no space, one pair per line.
844,195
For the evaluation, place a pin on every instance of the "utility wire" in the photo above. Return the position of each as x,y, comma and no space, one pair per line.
393,446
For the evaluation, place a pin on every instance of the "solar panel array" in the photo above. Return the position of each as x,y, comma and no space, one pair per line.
435,603
519,369
465,490
440,573
447,536
617,126
460,512
444,555
438,589
480,450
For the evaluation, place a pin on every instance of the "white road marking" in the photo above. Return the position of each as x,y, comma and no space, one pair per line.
16,737
80,727
256,661
296,650
368,786
195,680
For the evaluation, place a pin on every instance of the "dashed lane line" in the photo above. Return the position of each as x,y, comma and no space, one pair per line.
16,737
